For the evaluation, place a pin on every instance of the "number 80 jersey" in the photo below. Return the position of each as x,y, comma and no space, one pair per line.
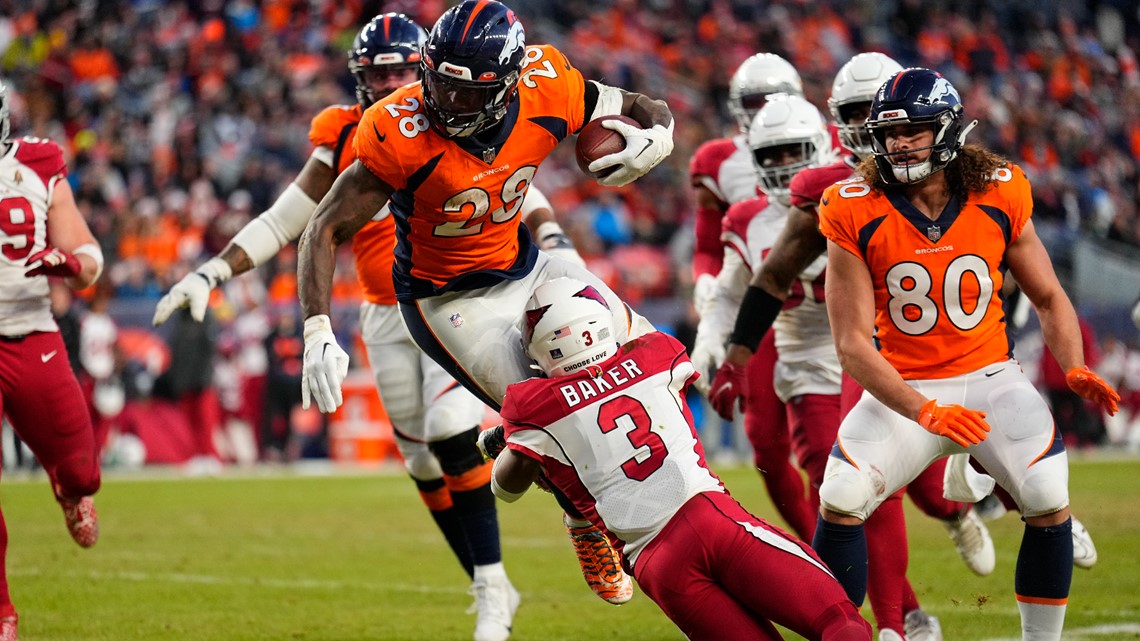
457,202
938,307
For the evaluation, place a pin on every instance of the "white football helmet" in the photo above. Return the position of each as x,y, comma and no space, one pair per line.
856,84
567,327
756,78
783,123
5,123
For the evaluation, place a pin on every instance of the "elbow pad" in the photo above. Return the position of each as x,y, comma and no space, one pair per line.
277,226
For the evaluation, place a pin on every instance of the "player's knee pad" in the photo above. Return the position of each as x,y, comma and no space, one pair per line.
458,454
847,490
419,461
1045,488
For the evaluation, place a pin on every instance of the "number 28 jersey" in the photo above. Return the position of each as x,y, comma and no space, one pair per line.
618,441
457,203
938,307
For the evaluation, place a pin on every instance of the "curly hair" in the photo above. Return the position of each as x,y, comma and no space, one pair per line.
971,172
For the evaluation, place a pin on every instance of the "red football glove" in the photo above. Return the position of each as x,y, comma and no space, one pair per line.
727,387
962,425
1091,387
53,262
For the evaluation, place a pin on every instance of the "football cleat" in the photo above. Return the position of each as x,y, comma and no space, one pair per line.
920,626
8,628
1084,552
496,602
972,539
82,522
990,508
600,564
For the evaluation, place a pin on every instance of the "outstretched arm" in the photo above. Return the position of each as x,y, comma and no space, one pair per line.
256,243
354,199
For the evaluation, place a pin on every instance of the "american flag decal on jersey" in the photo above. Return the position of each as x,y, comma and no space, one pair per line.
589,292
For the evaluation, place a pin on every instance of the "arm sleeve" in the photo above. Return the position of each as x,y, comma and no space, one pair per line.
708,253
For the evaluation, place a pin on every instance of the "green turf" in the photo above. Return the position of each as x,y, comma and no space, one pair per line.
355,557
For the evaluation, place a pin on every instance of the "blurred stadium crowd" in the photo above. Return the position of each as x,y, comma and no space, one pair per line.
183,119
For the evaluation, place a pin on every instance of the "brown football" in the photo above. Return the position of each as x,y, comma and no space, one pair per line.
595,141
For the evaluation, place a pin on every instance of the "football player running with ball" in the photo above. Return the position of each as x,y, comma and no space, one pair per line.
450,160
610,428
917,246
435,421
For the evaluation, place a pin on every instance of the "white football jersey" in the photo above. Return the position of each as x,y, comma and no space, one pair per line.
618,441
734,178
807,362
28,175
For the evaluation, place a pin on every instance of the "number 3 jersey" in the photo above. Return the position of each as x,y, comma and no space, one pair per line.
457,201
29,171
937,283
617,438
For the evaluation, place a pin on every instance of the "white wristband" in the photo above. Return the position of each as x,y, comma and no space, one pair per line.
216,271
95,252
317,324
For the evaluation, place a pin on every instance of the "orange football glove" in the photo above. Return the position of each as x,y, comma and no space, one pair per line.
962,425
1091,387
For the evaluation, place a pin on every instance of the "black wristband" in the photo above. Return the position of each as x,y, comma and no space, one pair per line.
758,311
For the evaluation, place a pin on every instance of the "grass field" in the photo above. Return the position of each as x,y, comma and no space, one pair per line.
354,557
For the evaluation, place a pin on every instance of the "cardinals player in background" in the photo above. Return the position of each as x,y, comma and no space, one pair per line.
722,174
43,235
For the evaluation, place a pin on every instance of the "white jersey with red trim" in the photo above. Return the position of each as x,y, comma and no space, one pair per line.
808,363
29,171
616,438
724,166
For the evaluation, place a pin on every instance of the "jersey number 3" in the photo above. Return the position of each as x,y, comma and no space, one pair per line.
642,436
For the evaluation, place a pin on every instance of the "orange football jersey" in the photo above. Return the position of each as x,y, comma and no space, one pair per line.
456,202
335,128
938,306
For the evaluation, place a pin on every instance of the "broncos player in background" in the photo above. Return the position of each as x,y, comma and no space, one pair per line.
435,421
609,426
453,158
43,235
917,247
722,174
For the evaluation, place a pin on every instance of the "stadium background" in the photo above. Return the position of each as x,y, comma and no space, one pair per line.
181,120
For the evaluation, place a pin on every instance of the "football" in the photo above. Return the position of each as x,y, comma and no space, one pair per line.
595,141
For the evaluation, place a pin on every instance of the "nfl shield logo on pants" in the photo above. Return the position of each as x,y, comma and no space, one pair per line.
934,232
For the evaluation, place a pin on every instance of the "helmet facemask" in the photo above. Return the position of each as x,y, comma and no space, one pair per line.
947,127
462,107
777,164
787,135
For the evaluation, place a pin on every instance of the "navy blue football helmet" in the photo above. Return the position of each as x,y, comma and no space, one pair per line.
471,65
390,42
919,97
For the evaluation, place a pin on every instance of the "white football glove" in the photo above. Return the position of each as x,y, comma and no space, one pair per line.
644,148
703,291
554,241
708,353
1136,315
193,291
325,366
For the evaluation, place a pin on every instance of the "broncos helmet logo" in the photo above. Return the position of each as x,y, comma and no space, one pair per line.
589,292
941,88
516,39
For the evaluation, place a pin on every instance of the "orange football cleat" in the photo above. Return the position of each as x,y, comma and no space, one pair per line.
600,564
